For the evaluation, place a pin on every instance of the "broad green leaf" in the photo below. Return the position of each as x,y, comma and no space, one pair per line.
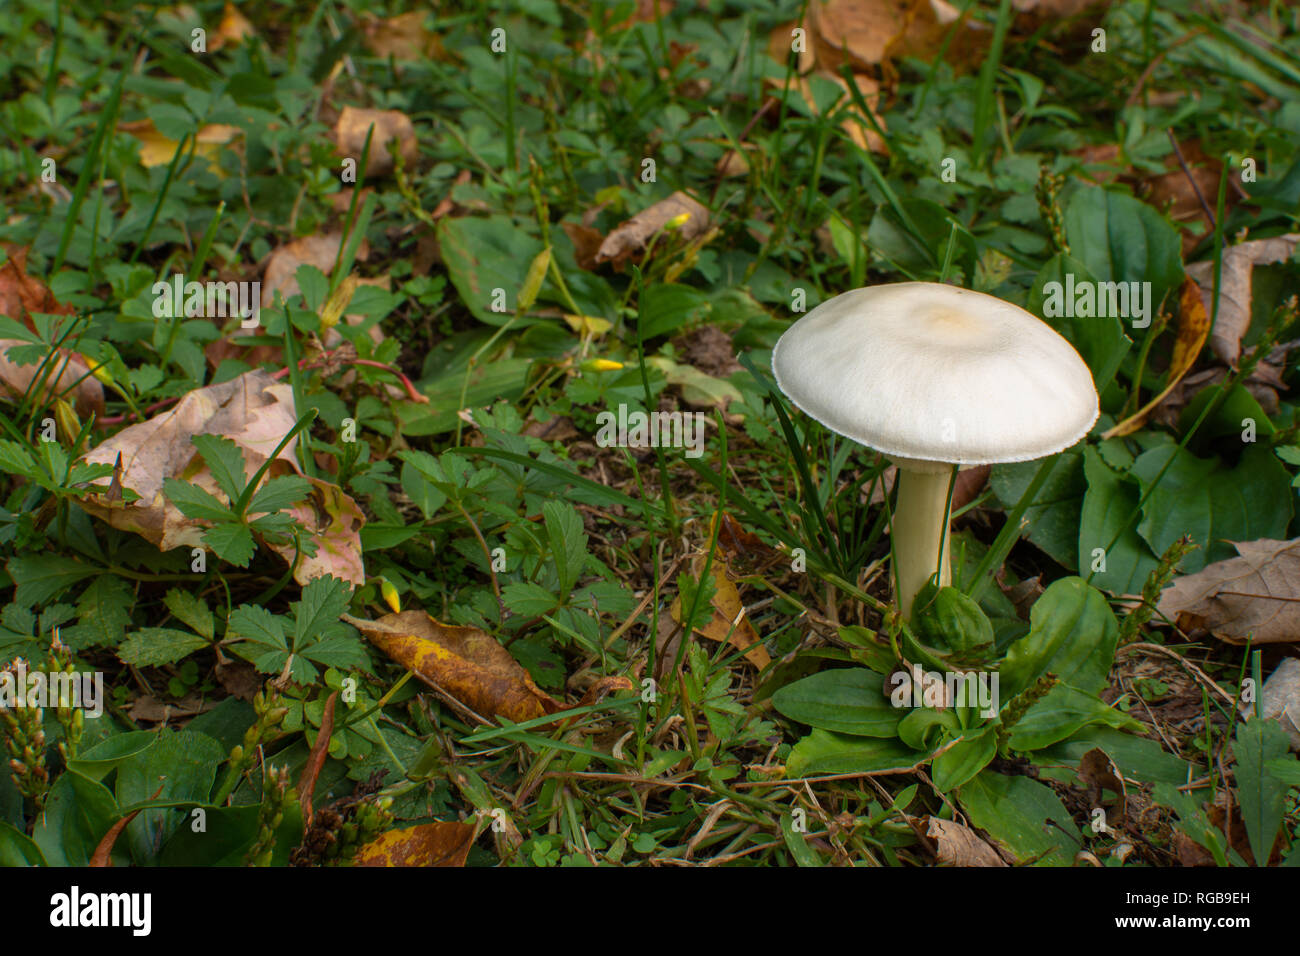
1110,500
1022,815
825,752
229,836
78,812
848,700
483,254
225,460
97,762
1054,518
1099,339
18,849
1060,713
317,613
1139,758
663,309
1211,502
528,599
155,646
185,764
503,379
923,728
341,651
1260,794
1072,634
965,759
1121,239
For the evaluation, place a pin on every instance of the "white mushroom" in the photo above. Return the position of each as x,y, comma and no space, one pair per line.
934,376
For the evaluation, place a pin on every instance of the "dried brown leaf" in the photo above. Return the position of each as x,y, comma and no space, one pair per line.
958,845
354,124
631,236
1253,596
256,412
729,622
1233,319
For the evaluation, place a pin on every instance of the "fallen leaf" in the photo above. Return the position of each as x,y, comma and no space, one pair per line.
1175,193
320,750
463,662
103,855
586,243
281,274
1280,699
869,35
428,844
631,236
68,372
233,29
149,709
158,150
1255,596
698,389
256,412
1193,329
353,126
1099,771
958,845
402,37
1054,8
1233,319
729,622
21,293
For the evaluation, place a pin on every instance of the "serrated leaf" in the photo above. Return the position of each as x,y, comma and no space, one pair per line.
317,613
232,542
155,646
191,610
38,578
254,623
226,462
279,493
194,502
103,612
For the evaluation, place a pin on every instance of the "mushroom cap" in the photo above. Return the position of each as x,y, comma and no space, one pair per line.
934,373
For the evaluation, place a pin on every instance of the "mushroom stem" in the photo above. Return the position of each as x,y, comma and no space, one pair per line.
920,532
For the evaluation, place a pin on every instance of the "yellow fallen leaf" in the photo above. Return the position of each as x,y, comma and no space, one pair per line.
729,621
158,150
428,844
1193,329
464,662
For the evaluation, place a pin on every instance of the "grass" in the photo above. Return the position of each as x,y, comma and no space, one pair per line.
587,562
